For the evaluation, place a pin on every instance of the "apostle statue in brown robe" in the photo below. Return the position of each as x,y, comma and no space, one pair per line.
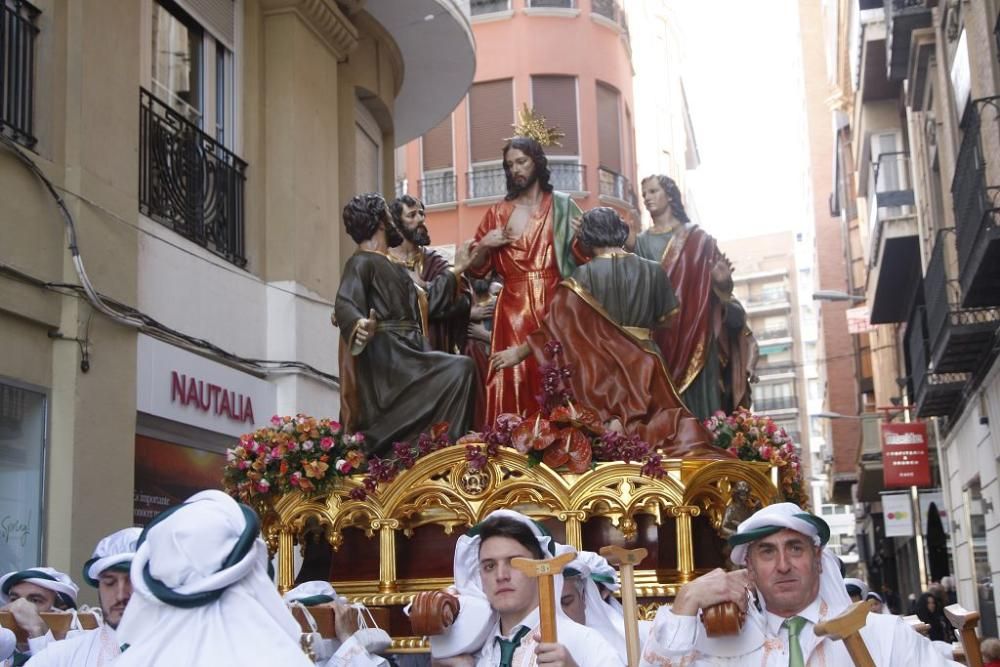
603,317
447,311
702,278
393,386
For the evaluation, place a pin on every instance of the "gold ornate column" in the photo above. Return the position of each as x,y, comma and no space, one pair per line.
286,559
574,527
387,554
685,540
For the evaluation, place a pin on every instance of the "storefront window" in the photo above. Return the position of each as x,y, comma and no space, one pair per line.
22,457
984,578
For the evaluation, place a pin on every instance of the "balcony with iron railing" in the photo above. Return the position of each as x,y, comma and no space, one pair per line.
902,18
935,394
568,176
18,29
613,185
894,258
958,338
438,189
768,299
486,182
773,333
481,7
977,209
777,368
775,403
189,182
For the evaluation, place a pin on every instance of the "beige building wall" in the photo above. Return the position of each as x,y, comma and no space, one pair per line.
305,72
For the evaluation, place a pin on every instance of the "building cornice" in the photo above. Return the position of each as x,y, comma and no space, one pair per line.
324,18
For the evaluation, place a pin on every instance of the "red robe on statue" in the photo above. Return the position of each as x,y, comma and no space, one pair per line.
529,269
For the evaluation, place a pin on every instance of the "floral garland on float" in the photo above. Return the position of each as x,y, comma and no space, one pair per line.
309,455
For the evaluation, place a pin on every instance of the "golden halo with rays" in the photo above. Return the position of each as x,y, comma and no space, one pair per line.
532,125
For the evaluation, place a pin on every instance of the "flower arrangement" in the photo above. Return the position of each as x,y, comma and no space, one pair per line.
755,438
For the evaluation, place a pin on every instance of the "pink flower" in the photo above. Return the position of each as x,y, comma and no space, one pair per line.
358,438
326,444
276,420
263,486
307,446
766,452
293,446
342,466
295,478
243,465
335,427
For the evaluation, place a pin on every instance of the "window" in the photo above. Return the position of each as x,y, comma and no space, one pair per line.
17,71
491,114
192,68
438,183
478,7
608,128
566,4
22,455
554,98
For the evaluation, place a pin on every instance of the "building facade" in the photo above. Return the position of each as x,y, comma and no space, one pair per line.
569,60
194,156
917,85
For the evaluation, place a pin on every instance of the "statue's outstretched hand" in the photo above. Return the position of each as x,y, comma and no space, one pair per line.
366,328
463,256
722,271
508,358
495,238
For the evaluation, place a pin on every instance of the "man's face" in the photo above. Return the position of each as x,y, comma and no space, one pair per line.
654,197
115,590
521,168
573,602
785,567
43,599
392,236
508,590
414,228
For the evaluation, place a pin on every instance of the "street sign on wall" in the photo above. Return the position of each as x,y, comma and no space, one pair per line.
897,512
905,461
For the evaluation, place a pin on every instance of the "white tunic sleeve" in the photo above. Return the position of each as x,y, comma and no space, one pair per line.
671,639
352,654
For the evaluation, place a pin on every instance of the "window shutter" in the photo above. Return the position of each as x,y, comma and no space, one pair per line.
216,16
554,97
437,146
491,116
608,135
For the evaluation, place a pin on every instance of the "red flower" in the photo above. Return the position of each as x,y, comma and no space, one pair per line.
532,434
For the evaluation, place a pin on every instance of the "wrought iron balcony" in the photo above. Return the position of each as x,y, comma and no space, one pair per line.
613,184
957,337
768,297
486,182
773,333
565,4
902,18
568,176
189,182
935,394
477,7
438,189
775,403
977,211
17,70
401,187
607,8
777,368
894,257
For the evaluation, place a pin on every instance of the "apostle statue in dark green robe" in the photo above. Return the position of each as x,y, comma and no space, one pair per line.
603,318
393,386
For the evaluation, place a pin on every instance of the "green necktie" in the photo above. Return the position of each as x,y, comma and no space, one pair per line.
795,625
508,646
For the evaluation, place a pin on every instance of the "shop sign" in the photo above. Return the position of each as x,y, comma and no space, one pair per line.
905,461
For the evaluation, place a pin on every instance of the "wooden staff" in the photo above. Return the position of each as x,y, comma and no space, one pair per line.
965,622
544,570
846,627
626,560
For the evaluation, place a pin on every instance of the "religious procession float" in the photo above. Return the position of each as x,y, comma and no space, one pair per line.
384,529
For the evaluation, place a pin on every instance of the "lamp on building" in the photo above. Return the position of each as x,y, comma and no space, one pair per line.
835,295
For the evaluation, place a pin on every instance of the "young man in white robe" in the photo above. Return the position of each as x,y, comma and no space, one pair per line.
28,593
790,583
201,594
108,572
505,632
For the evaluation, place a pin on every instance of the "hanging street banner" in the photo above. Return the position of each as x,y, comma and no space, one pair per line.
897,512
905,460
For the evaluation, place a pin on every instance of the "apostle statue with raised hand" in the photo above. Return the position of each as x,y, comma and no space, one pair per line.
702,278
448,302
393,386
603,318
527,239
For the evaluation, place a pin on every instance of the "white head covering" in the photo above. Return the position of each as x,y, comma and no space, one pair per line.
872,595
601,616
476,618
774,518
860,585
202,595
311,593
118,548
46,577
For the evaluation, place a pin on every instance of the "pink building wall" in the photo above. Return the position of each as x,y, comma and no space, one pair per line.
535,41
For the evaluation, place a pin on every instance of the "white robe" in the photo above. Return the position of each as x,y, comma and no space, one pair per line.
91,648
681,640
586,646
